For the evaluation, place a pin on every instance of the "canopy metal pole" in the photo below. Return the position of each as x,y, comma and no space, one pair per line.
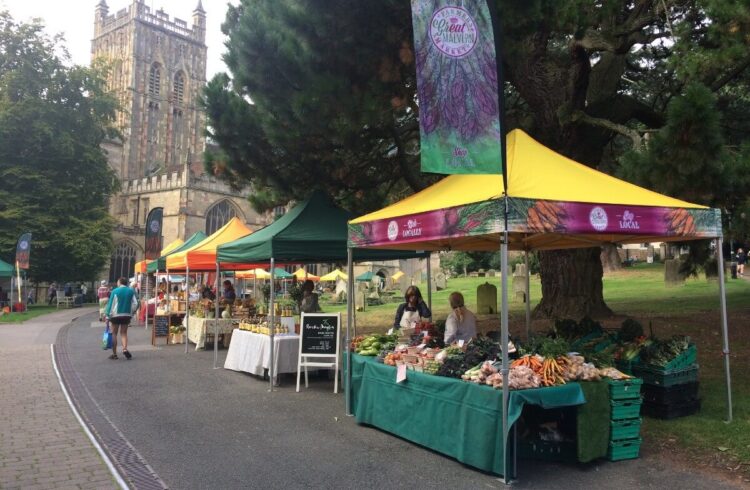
146,295
429,281
724,327
216,318
187,308
527,296
168,294
349,321
271,324
504,345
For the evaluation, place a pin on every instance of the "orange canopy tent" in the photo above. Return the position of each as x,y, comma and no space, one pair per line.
202,257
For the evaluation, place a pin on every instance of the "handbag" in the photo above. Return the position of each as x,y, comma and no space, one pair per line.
107,338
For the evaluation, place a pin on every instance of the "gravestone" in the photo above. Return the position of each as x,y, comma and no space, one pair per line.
440,281
492,273
650,254
672,276
663,251
340,287
519,282
486,299
359,300
481,272
473,274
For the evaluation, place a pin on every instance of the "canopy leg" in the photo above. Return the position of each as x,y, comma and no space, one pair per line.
504,346
187,308
348,340
527,295
271,323
216,318
724,326
429,281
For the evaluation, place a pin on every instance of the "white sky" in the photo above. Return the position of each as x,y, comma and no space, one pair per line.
75,19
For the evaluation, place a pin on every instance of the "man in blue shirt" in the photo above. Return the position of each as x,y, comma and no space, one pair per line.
122,304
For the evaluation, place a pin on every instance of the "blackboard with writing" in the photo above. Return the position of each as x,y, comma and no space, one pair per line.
319,335
161,327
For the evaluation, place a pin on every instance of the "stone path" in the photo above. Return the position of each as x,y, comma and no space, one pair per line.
42,445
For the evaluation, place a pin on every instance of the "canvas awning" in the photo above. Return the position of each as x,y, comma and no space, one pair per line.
6,270
312,231
202,257
334,275
160,264
141,266
171,247
553,203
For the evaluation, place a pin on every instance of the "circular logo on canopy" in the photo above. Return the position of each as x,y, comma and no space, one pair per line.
154,225
24,245
392,230
598,219
453,31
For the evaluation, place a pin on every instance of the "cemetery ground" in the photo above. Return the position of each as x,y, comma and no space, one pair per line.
692,309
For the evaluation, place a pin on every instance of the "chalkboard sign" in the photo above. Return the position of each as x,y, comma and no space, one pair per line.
161,328
319,344
319,334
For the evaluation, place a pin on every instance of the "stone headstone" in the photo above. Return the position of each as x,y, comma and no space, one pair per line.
486,299
663,251
440,281
672,276
519,282
359,300
473,274
340,287
481,273
491,273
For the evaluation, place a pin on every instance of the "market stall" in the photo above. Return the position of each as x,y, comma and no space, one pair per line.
250,352
200,328
550,202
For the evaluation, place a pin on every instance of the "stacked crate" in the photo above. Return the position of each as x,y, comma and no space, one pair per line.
625,424
671,391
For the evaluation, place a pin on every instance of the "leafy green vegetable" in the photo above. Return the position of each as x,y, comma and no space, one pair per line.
630,330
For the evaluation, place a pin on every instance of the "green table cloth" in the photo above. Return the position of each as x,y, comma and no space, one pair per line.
459,419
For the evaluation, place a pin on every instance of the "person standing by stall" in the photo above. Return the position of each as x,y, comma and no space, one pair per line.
741,260
412,311
122,305
461,324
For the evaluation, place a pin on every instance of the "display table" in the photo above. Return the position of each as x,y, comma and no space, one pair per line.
199,327
251,353
462,420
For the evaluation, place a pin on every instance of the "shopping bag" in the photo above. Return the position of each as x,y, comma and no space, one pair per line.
107,338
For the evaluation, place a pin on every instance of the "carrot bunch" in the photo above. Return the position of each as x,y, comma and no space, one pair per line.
553,371
528,361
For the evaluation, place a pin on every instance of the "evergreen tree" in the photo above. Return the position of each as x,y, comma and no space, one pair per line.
54,178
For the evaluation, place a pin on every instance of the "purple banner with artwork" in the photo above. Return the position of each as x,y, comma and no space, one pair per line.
457,82
537,217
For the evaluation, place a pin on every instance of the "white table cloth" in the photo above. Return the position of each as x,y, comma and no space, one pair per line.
251,353
199,327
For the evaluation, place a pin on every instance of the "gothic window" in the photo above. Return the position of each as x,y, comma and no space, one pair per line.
122,262
179,87
218,216
154,79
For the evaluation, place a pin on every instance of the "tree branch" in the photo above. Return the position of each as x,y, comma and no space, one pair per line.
580,116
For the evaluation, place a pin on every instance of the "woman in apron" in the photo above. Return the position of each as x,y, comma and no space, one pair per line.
412,311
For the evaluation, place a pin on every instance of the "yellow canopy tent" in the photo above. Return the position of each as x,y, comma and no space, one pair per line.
398,275
334,275
143,264
140,266
253,274
172,246
302,275
202,257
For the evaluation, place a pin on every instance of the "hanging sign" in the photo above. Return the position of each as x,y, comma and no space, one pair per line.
319,343
153,233
457,82
23,249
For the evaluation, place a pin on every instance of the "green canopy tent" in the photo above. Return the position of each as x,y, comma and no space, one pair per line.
160,264
281,274
315,230
6,270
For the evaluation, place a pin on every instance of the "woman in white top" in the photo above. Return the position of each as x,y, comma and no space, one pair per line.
461,324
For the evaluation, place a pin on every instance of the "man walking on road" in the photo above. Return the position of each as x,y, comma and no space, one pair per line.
123,303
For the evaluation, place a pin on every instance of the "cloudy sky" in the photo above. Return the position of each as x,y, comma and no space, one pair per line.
75,19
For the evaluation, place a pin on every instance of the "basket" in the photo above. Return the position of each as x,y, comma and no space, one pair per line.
624,389
664,378
683,361
624,429
619,450
625,409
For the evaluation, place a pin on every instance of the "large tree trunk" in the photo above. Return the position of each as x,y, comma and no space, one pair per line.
571,284
610,258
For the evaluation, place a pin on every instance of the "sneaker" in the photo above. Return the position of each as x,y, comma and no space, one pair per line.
128,355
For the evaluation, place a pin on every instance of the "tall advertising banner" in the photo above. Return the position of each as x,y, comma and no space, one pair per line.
153,233
23,249
458,84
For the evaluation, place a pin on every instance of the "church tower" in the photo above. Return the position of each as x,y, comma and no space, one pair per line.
158,68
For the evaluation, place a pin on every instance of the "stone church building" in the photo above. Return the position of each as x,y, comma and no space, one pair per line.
158,69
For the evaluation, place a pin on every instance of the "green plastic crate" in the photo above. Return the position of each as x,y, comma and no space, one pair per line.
685,360
619,450
577,344
557,451
621,430
625,409
625,389
665,378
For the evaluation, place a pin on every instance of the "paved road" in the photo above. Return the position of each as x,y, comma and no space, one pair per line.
202,428
42,445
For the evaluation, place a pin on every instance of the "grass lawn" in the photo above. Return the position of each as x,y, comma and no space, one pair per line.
691,309
33,312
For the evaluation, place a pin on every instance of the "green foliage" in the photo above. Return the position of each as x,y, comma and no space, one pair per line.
630,330
54,178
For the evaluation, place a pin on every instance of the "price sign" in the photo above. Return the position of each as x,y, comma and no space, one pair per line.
319,344
161,328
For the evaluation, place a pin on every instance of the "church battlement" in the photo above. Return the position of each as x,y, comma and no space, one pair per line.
175,180
158,18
